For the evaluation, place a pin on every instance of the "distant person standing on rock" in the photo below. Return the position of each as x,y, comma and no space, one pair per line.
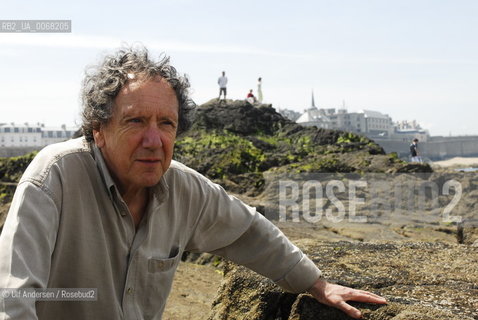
259,90
414,151
222,82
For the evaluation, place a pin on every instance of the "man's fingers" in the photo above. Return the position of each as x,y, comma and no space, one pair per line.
337,296
369,293
365,296
349,310
358,296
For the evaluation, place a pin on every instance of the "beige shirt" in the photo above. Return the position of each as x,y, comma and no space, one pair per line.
68,227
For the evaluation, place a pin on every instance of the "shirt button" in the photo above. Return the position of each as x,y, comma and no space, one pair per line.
129,290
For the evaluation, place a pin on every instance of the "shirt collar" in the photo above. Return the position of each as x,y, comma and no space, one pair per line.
160,191
103,169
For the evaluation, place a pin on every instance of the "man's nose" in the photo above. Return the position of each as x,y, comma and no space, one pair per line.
152,138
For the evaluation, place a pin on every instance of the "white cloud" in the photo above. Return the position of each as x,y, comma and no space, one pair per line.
102,42
99,42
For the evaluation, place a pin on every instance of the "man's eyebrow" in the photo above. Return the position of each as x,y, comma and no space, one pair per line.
169,118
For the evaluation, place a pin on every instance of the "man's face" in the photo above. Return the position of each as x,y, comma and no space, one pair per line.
137,143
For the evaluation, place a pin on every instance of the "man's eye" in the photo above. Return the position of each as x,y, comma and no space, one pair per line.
134,120
169,123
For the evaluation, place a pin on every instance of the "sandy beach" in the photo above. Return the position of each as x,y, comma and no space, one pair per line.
458,162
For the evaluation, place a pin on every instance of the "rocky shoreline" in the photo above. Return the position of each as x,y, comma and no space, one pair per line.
425,265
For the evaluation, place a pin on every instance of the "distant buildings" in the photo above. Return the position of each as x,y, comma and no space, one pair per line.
36,135
315,117
373,124
407,130
290,114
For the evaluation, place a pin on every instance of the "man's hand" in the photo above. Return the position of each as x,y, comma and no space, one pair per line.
337,296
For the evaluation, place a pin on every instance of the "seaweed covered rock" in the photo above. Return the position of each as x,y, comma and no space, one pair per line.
11,170
235,141
420,281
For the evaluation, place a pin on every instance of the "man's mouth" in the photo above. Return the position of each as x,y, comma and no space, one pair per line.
149,160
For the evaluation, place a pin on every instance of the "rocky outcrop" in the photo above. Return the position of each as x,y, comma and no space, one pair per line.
420,281
240,117
236,143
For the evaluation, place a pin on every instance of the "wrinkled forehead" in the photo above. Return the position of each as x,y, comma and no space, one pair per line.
146,93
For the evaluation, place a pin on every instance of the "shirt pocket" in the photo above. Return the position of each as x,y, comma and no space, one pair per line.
164,264
156,282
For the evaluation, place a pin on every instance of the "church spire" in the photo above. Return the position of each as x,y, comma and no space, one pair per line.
313,102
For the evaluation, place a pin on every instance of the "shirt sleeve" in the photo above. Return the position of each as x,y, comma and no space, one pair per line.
266,250
26,246
229,228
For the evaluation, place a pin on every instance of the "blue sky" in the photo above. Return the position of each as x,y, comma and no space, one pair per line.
410,59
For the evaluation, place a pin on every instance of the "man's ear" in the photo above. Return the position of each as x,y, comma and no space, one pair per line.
99,138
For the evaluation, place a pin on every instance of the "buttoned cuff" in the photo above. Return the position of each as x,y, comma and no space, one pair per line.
301,277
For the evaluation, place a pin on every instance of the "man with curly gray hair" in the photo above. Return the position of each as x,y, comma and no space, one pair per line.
103,83
113,213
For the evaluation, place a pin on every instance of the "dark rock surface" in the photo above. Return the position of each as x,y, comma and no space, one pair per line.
240,117
420,281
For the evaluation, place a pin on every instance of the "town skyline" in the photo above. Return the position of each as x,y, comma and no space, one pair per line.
77,122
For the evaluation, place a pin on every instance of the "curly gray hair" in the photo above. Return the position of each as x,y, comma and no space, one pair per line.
103,82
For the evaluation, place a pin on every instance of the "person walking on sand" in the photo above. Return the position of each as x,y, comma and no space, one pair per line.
259,90
222,82
414,151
